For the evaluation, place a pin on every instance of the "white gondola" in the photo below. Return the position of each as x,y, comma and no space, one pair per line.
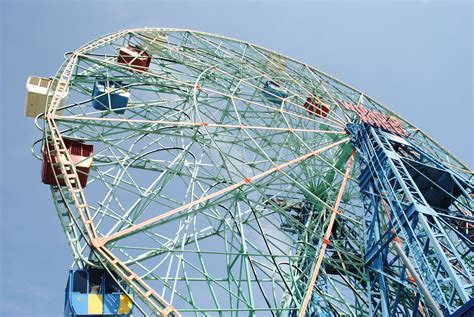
37,93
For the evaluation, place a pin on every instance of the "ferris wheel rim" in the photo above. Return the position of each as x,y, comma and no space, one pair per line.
51,113
50,120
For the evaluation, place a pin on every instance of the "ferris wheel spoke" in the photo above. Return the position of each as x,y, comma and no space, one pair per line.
152,123
152,221
325,243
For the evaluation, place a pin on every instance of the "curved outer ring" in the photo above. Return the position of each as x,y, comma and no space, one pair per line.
148,294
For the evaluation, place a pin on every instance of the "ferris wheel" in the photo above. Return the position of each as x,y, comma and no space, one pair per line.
198,175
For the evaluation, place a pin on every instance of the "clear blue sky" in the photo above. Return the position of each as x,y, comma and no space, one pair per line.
415,57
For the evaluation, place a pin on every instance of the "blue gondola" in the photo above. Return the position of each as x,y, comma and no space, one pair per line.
110,95
93,292
274,92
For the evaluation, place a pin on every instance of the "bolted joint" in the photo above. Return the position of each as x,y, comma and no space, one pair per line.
98,243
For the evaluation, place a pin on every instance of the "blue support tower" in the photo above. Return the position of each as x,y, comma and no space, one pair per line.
412,198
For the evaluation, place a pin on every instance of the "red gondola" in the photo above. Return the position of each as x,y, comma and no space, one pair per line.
81,156
135,58
316,107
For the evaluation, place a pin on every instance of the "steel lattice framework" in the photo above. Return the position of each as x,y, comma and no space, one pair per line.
212,195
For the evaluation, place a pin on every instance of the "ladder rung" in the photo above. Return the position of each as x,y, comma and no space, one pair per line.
148,294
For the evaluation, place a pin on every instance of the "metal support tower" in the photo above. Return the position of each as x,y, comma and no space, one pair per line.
414,246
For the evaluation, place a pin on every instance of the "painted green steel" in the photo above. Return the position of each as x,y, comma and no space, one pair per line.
198,122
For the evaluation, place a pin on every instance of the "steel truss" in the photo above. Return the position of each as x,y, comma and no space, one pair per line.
209,198
397,213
